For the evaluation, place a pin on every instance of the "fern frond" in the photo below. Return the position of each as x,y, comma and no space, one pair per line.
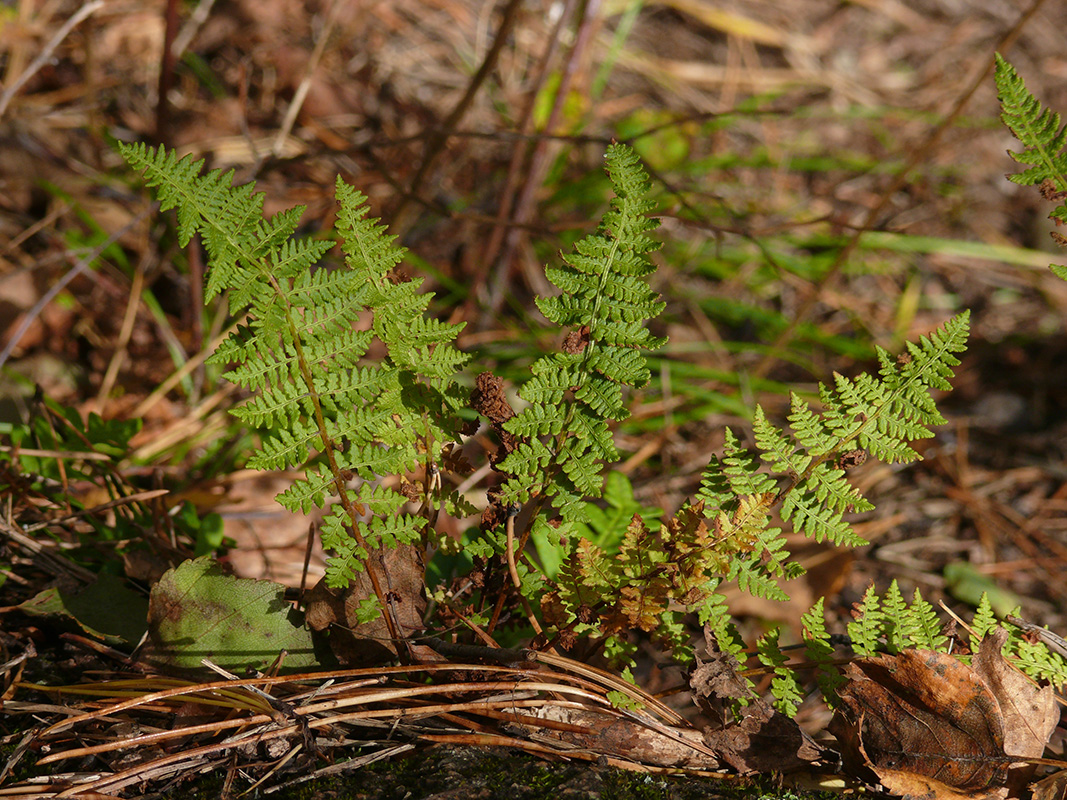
784,686
714,615
1037,127
348,555
821,653
808,476
782,452
922,627
807,514
984,621
867,629
310,491
1043,139
1037,661
300,353
752,578
895,615
563,434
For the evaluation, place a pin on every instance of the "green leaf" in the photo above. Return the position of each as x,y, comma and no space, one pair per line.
197,611
106,609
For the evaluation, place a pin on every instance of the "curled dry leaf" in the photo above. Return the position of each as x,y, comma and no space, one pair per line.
358,643
923,719
1030,713
1054,787
764,740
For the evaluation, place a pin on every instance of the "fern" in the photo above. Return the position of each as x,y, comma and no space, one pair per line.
348,420
563,433
1044,142
869,626
809,485
888,624
984,621
785,685
921,627
320,403
650,577
821,653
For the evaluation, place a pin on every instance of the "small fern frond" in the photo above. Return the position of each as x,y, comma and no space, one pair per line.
1037,127
821,653
349,555
779,448
563,438
867,628
784,685
715,616
1043,139
751,577
921,627
1036,660
984,621
895,615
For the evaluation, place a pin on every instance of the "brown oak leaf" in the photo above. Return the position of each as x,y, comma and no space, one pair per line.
925,719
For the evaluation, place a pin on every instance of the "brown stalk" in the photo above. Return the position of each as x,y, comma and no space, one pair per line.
541,155
504,218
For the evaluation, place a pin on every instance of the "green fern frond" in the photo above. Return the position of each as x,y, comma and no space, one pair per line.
1043,139
782,452
715,617
1037,661
751,577
922,627
821,653
895,616
1037,127
808,479
318,405
785,687
563,434
866,630
984,621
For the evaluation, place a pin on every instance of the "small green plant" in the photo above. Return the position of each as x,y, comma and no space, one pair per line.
58,455
374,414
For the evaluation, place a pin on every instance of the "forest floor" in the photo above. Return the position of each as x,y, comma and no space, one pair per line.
771,129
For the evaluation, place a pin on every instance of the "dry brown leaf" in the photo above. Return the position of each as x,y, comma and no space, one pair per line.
925,713
715,679
1029,712
908,784
764,740
1054,787
924,719
362,644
